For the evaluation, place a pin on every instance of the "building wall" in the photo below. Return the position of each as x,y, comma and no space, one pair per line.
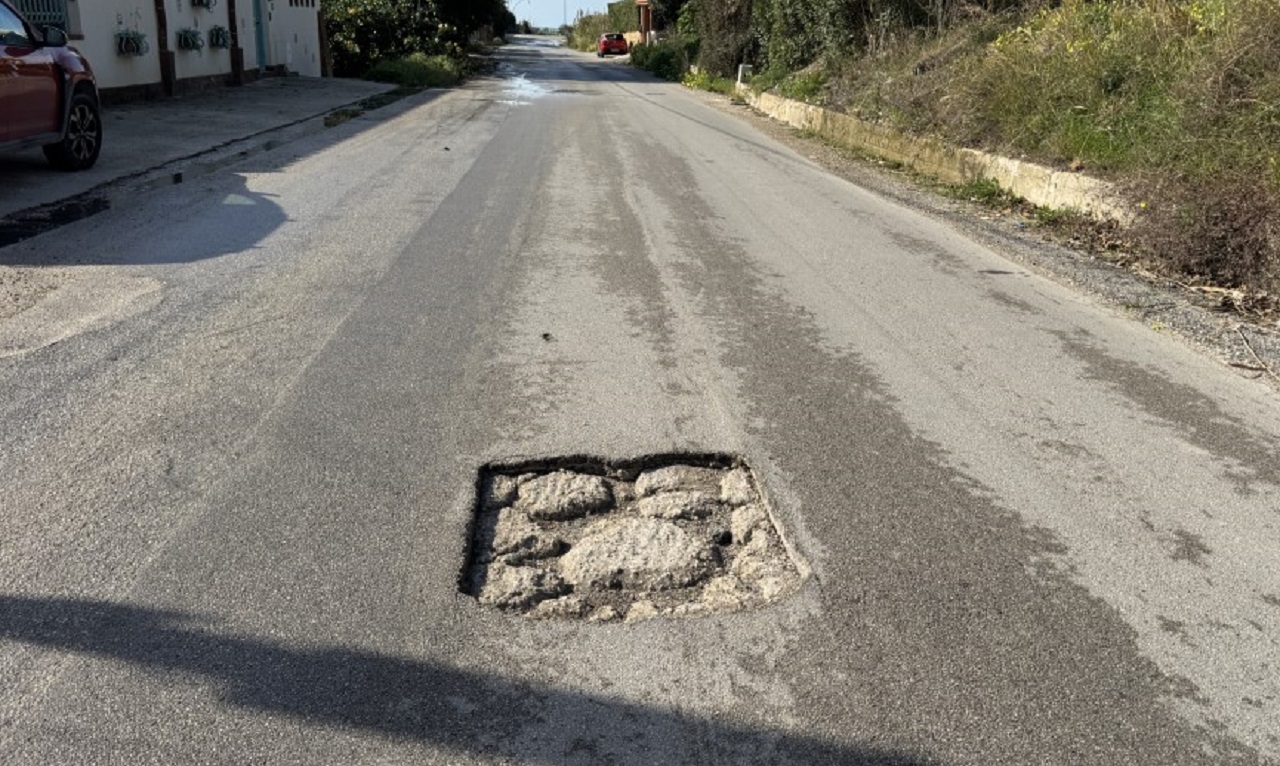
295,36
244,18
207,61
97,21
291,28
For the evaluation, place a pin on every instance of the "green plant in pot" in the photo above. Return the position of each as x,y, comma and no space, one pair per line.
190,39
131,42
219,37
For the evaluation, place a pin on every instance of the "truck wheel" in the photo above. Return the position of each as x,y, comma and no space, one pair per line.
81,139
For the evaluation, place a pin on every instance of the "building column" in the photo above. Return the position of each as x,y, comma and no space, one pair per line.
168,62
237,53
646,19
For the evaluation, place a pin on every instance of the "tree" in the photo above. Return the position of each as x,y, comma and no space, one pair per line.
465,17
364,32
725,33
666,12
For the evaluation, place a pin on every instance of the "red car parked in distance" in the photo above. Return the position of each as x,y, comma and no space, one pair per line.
613,42
48,97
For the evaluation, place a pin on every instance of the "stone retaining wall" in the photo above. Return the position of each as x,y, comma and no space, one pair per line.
1039,185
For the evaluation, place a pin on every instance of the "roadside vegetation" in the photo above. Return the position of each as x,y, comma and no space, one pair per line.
418,70
704,80
413,43
669,59
1178,101
583,35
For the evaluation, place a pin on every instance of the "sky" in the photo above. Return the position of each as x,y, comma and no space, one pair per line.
551,13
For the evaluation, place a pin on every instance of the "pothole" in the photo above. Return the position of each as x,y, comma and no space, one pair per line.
681,535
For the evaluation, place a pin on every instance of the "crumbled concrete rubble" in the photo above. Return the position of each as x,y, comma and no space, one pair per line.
604,544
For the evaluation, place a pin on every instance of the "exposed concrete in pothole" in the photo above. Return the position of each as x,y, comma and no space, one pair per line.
677,536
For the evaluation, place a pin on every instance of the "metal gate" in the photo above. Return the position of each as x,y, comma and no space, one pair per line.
45,12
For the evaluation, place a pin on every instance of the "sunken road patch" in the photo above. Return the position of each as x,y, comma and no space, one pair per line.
589,539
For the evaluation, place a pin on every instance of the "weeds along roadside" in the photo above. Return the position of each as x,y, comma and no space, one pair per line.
1177,102
412,74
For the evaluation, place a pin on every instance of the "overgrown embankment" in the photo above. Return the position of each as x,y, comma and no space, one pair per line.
1176,100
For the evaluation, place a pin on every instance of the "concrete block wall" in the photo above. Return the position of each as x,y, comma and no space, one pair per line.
1037,184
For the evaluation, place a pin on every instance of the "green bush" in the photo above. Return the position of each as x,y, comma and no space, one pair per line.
668,59
418,70
1183,98
623,16
803,86
724,30
362,33
704,80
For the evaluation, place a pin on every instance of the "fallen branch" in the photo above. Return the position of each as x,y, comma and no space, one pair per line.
1263,366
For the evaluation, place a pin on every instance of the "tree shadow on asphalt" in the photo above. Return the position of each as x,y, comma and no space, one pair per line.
452,708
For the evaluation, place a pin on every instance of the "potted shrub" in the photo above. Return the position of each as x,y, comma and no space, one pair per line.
219,37
131,42
190,39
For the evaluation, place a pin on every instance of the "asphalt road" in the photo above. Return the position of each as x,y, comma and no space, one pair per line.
238,450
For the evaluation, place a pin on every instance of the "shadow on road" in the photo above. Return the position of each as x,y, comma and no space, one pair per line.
453,708
253,216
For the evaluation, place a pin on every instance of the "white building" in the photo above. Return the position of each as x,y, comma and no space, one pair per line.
143,48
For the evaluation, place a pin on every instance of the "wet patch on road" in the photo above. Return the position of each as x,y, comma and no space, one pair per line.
1198,419
519,90
1189,547
581,538
941,259
1005,299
